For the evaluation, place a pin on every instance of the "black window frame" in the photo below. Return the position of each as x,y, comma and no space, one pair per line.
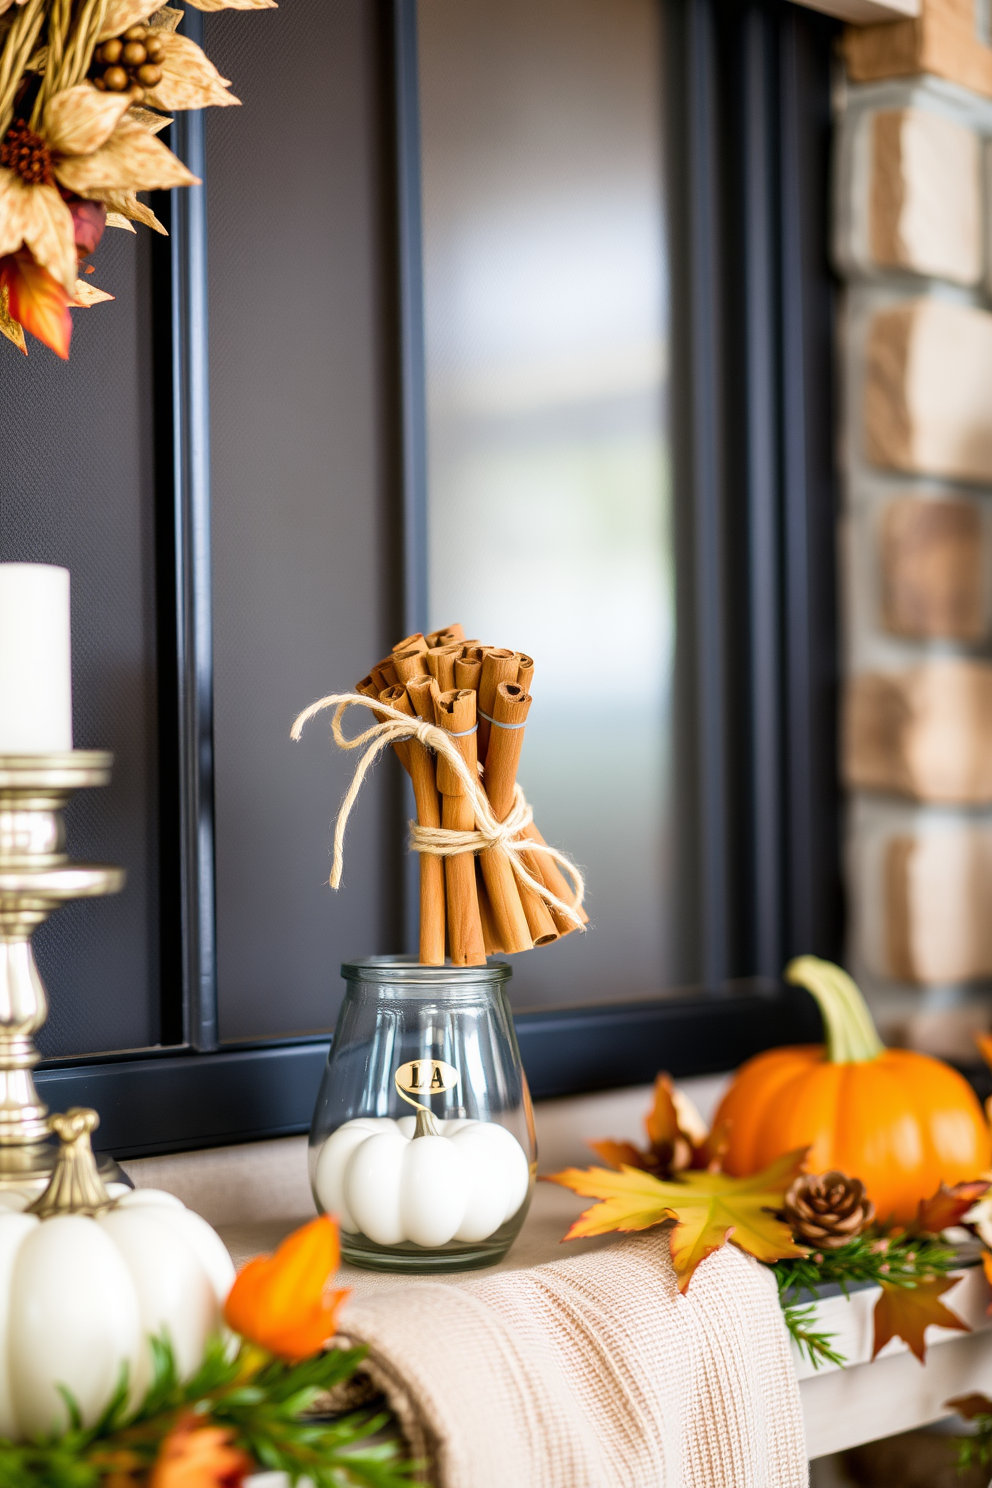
747,101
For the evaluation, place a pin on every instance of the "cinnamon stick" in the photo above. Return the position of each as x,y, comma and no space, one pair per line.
421,767
454,711
490,939
445,634
440,662
498,666
525,670
367,688
384,674
409,663
422,690
415,642
468,670
509,917
395,697
388,695
510,709
541,921
547,870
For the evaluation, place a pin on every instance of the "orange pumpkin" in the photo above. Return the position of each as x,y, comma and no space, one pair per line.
900,1121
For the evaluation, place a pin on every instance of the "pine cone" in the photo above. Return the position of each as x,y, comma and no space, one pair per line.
826,1210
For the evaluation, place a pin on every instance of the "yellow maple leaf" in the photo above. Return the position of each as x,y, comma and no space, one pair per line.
708,1208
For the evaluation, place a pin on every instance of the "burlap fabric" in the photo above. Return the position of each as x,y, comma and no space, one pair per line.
592,1372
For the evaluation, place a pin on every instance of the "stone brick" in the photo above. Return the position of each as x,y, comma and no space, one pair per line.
947,1033
938,887
925,199
928,372
924,733
943,41
931,569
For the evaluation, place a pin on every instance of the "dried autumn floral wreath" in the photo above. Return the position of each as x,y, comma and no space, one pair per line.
85,87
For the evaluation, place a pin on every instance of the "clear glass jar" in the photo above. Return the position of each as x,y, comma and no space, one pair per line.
422,1141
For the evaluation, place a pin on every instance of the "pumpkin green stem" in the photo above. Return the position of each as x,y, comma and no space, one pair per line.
852,1037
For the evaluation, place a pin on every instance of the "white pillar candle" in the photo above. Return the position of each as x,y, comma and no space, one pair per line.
35,659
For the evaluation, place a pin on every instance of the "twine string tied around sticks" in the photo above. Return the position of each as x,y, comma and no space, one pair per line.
445,842
395,727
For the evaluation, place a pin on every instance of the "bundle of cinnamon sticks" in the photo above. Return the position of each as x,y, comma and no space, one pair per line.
472,904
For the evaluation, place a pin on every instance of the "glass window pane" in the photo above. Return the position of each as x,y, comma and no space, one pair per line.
550,524
77,489
300,600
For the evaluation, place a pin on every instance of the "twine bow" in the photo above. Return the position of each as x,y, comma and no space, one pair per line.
393,728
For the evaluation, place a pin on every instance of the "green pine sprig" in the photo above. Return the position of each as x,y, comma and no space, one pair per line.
260,1400
975,1450
817,1347
900,1261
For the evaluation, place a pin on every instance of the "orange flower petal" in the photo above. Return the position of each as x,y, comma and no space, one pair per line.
37,301
308,1335
199,1457
283,1302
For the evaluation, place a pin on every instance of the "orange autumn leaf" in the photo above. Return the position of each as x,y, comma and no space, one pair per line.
284,1301
987,1268
907,1312
119,1468
37,301
662,1121
620,1154
947,1207
984,1042
195,1456
970,1406
710,1153
676,1133
708,1208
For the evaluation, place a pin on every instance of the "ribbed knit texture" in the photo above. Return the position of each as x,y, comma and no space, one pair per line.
592,1372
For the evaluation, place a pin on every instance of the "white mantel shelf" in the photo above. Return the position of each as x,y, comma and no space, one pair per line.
866,12
257,1193
864,1401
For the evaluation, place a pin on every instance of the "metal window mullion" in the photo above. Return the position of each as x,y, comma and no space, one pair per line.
764,547
707,481
191,468
411,286
412,372
796,537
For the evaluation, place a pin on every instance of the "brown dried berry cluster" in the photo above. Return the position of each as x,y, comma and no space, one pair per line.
129,63
26,154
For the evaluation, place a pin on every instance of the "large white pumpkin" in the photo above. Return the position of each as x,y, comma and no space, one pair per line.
382,1181
79,1297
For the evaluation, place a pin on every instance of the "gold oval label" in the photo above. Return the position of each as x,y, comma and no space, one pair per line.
426,1077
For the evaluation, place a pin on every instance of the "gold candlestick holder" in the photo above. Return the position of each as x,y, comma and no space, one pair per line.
36,876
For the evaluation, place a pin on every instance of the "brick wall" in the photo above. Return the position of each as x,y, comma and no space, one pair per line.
913,207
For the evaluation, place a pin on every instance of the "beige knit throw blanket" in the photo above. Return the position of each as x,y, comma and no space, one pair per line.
592,1372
